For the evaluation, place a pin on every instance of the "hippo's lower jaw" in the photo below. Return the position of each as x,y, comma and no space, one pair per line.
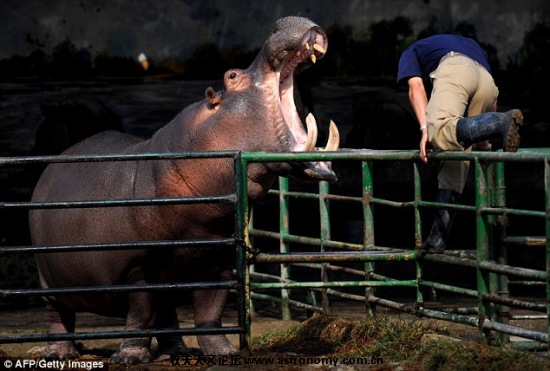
317,173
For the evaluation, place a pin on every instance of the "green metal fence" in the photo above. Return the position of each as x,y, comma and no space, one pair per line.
486,259
233,241
494,309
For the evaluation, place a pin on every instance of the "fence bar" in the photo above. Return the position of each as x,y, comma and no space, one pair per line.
116,246
357,272
485,324
449,288
284,246
499,200
295,285
50,159
242,214
482,245
525,241
332,256
120,202
113,289
293,303
528,316
368,230
417,230
514,271
324,212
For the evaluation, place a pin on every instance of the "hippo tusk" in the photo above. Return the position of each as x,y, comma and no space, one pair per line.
311,133
333,141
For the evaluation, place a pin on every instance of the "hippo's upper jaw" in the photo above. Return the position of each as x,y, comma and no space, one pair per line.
296,44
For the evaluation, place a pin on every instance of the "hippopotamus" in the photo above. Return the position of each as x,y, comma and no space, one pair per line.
255,111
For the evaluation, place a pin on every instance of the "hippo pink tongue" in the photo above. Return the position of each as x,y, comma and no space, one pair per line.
303,141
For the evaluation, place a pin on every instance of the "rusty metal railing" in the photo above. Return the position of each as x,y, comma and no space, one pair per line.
487,258
232,241
326,253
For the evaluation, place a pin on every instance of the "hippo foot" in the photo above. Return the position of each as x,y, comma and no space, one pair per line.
131,355
216,344
60,350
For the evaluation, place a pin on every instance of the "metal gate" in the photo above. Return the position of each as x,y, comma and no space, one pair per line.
233,241
487,260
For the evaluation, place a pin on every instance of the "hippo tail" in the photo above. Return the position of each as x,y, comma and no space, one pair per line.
68,121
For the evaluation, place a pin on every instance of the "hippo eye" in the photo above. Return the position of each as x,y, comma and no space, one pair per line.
233,75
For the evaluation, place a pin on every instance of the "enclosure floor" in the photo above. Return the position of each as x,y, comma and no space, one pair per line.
266,319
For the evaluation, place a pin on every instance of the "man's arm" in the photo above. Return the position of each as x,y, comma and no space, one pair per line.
419,101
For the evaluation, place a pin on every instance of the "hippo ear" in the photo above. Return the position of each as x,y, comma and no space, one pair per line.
213,97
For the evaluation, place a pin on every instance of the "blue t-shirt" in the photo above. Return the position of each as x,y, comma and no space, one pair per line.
422,57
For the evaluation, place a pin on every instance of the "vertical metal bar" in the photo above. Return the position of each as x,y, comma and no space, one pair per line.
490,225
243,253
284,247
417,230
368,220
417,197
251,267
501,254
482,245
325,236
547,201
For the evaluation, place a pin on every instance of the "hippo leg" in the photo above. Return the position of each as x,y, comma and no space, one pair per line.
136,350
209,306
167,318
62,321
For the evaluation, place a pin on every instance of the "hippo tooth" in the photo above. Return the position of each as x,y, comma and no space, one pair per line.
306,45
311,133
333,141
313,58
319,48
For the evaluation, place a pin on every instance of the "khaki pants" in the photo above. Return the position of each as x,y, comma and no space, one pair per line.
461,88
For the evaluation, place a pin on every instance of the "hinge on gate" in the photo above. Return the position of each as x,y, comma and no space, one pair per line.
251,251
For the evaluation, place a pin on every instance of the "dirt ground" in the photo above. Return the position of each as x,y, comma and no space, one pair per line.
266,319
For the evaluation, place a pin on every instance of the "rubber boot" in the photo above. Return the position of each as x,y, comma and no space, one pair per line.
491,125
435,243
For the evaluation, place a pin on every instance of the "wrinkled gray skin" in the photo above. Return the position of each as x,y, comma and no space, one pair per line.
255,112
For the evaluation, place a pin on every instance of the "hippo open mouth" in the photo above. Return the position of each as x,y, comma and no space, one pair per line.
287,63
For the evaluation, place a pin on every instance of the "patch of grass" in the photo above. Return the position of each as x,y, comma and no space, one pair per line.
397,342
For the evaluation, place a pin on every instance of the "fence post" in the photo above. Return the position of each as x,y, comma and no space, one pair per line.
368,219
501,254
284,248
243,250
484,254
324,211
417,231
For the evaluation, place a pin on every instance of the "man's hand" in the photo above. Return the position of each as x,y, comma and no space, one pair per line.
423,143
